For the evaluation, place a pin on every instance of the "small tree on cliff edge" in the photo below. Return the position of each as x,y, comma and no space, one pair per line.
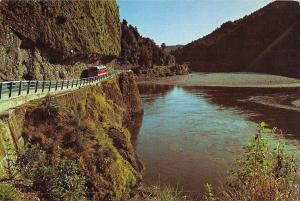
163,46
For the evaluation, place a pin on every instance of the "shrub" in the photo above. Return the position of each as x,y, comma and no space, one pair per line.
8,193
264,172
53,176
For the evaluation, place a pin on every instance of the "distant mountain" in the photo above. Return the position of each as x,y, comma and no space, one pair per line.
266,41
172,47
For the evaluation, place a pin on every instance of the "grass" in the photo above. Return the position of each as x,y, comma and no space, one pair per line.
8,193
159,193
263,172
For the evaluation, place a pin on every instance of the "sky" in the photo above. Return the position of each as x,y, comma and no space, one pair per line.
182,21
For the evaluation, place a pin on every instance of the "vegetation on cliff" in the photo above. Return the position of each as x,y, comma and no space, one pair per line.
65,29
266,41
53,176
140,51
161,71
83,133
56,39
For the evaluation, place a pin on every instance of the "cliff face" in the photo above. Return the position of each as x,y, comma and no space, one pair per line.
266,41
90,125
53,39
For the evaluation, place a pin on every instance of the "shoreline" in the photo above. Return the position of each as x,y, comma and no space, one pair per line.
238,80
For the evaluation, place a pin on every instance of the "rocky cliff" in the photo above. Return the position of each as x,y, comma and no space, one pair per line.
266,41
56,39
89,125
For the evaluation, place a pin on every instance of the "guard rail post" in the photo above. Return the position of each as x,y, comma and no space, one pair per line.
72,83
76,82
62,84
0,90
10,89
20,88
36,86
56,85
50,86
43,86
68,84
28,87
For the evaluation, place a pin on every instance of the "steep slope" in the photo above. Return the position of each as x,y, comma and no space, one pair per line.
266,41
44,39
140,51
90,125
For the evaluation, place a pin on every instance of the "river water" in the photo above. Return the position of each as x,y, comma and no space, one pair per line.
190,136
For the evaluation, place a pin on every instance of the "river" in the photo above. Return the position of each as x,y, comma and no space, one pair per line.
190,136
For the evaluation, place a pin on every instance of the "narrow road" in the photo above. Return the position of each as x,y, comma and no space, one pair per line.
16,93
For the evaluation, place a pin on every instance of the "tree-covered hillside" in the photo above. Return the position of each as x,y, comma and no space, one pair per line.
137,50
266,41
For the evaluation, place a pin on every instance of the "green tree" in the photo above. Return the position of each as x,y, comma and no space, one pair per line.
163,46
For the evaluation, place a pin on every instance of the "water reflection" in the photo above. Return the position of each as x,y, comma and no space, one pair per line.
190,136
135,126
285,118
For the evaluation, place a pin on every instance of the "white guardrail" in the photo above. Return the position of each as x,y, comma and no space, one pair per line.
14,89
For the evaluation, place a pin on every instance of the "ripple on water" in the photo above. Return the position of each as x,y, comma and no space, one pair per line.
191,136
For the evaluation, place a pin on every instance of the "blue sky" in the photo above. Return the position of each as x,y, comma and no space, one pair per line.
182,21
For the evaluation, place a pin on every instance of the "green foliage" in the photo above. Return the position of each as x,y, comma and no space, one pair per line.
10,159
263,172
139,51
162,71
8,193
209,194
166,194
52,175
87,125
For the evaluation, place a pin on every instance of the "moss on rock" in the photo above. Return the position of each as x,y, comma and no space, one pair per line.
56,39
88,125
57,27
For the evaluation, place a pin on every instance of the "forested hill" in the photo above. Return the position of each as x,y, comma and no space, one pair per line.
266,41
137,50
